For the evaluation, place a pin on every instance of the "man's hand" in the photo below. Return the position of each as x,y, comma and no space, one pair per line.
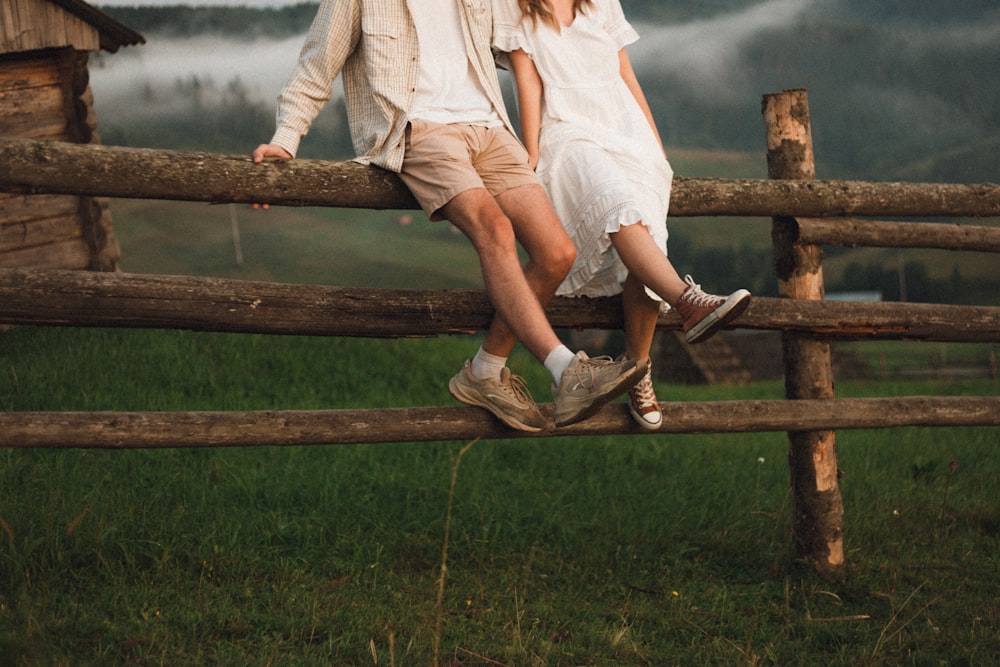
269,150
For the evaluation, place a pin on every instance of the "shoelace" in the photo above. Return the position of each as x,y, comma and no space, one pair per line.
696,297
643,394
516,386
589,367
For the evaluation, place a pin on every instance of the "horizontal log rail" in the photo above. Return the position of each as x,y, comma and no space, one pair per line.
93,299
146,430
30,166
888,234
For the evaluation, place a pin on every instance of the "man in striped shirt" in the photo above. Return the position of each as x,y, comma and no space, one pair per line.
423,100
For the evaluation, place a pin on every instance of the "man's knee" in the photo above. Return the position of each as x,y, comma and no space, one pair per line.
492,231
568,254
559,257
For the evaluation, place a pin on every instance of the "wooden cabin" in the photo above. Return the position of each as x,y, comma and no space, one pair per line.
45,94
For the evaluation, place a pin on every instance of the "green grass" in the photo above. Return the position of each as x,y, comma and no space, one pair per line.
638,550
902,359
647,549
345,247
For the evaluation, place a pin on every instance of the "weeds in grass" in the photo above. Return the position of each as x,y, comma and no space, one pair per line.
952,467
896,628
7,529
439,607
562,551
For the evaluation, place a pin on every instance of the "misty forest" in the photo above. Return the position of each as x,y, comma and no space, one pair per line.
899,90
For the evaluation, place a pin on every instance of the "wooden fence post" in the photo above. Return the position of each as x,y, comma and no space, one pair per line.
818,511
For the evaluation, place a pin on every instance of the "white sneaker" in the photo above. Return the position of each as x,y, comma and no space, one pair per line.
508,399
589,384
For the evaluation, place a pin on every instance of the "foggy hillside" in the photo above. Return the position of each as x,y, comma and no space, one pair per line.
899,89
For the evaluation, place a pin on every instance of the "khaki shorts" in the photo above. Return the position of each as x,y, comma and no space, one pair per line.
443,161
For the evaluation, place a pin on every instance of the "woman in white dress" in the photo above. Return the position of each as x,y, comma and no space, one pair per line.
593,142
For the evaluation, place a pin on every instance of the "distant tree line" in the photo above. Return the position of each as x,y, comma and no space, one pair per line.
927,12
181,20
239,22
672,11
225,119
911,281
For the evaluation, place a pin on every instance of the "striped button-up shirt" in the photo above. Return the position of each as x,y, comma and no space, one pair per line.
374,44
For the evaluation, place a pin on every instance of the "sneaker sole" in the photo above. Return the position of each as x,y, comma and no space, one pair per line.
457,392
614,392
734,306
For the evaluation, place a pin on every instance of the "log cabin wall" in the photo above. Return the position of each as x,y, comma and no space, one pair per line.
45,94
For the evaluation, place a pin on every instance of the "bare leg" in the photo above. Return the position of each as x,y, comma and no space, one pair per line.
513,290
702,315
517,295
641,314
550,254
647,262
647,265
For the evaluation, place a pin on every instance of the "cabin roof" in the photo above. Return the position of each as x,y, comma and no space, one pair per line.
113,34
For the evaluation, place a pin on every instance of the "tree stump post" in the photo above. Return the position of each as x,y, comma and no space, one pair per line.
818,511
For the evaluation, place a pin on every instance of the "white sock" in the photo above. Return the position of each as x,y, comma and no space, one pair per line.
558,361
486,366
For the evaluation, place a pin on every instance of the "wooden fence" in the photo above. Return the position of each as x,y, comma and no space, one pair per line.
806,212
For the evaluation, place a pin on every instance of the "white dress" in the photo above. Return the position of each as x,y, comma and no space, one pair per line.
599,160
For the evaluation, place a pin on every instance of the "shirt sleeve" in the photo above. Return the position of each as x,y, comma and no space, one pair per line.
618,27
330,40
508,31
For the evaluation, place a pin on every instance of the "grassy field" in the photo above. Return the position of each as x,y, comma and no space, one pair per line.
645,550
638,550
350,248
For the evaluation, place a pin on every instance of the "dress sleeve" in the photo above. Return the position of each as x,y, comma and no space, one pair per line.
508,28
621,31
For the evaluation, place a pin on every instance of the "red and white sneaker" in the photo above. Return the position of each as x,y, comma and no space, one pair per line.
642,403
705,314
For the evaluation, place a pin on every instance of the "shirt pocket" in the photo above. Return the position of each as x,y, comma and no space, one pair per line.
382,42
381,24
